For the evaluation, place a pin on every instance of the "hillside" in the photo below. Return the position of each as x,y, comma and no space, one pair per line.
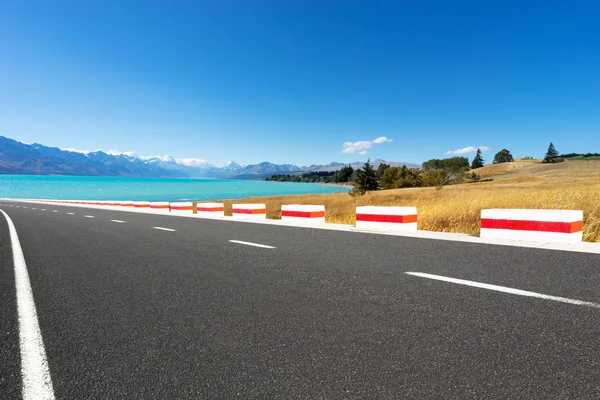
523,168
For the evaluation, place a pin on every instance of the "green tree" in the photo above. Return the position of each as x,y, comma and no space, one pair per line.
503,156
452,164
390,178
344,174
551,155
435,177
477,161
381,169
366,179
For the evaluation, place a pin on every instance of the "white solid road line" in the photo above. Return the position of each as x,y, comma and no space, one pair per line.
164,229
264,246
504,289
89,216
37,383
117,221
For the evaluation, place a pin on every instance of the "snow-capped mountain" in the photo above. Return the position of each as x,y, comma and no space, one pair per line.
37,159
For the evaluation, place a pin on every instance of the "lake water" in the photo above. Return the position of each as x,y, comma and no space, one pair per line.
147,189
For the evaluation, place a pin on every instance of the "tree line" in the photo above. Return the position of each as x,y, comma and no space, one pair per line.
344,175
434,172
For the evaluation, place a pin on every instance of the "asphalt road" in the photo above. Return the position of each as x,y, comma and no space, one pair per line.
128,311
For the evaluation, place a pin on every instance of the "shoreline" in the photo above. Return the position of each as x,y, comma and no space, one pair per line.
337,185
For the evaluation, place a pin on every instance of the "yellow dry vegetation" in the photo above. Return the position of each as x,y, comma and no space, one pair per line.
572,185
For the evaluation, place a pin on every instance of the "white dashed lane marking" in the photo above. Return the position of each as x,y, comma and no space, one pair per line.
264,246
54,210
71,213
504,289
164,229
118,221
89,216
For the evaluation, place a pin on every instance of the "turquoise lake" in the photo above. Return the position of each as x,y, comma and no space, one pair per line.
149,189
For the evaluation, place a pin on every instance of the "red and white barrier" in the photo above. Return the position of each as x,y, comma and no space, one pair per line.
159,205
386,218
141,204
210,209
126,203
551,226
249,211
185,207
303,214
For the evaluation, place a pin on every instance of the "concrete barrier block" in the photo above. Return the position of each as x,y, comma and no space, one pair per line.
303,214
386,218
210,209
249,211
549,226
182,207
159,205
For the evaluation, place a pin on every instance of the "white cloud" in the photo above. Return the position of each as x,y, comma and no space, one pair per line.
382,139
362,146
466,150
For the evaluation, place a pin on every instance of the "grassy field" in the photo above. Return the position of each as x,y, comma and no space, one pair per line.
522,184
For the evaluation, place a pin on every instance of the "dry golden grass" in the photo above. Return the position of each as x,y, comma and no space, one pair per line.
570,185
494,170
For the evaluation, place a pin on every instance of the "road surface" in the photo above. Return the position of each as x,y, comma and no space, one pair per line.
140,306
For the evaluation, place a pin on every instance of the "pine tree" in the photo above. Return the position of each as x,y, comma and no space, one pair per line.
366,179
551,154
477,161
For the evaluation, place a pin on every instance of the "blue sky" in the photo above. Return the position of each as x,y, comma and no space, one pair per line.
292,81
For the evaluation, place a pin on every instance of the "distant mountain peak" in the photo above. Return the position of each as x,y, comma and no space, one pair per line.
37,159
232,165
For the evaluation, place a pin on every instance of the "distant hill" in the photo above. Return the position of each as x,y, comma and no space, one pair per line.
37,159
358,164
528,169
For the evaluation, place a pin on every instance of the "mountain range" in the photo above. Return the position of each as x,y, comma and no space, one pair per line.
36,159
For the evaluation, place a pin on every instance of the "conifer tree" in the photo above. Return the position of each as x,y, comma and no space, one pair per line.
366,179
551,154
477,161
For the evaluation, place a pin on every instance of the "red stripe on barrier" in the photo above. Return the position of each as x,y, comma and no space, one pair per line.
141,205
160,207
303,214
538,226
249,211
398,219
210,209
181,208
